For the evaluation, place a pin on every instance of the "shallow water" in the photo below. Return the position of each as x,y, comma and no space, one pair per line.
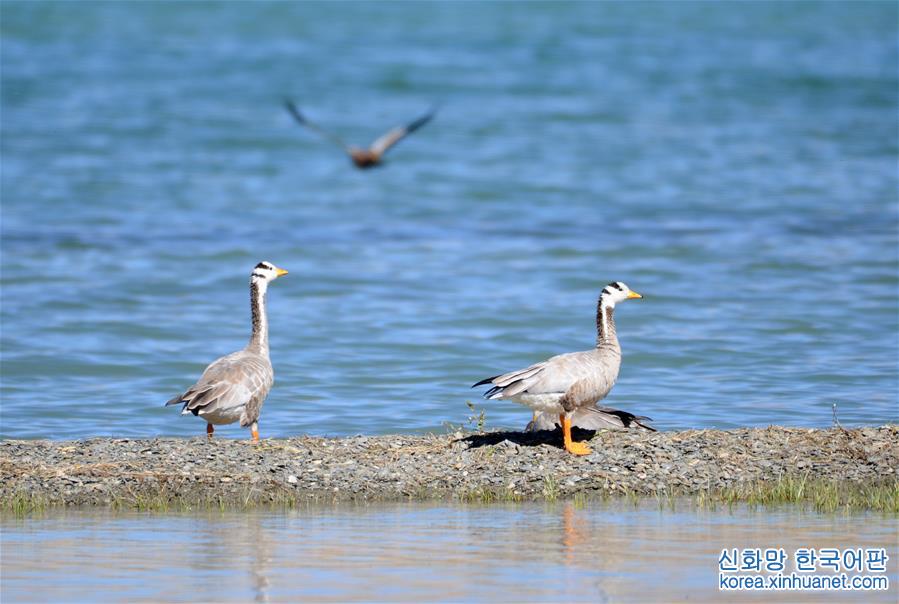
734,163
563,552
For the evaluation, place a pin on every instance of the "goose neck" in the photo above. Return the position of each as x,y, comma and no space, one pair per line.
605,325
259,337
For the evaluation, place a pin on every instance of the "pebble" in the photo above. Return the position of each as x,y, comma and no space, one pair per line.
448,466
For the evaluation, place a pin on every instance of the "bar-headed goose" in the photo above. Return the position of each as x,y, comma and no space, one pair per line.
234,387
568,383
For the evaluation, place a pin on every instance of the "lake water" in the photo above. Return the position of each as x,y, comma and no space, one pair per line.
414,553
734,163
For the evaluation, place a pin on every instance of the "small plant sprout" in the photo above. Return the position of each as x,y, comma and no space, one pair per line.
477,418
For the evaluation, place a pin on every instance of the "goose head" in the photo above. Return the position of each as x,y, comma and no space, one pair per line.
265,272
616,292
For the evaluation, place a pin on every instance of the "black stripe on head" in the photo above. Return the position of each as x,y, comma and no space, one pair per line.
616,286
606,291
264,265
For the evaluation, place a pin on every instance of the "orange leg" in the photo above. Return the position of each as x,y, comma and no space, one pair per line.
209,430
254,430
571,446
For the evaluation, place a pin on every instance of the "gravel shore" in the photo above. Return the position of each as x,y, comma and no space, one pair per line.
458,466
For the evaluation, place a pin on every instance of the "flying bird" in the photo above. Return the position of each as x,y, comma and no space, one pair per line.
374,154
570,384
234,387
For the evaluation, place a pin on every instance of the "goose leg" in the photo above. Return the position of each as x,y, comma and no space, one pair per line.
254,430
571,446
209,430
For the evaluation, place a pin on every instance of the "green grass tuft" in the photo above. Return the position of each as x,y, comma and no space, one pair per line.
823,495
550,488
21,504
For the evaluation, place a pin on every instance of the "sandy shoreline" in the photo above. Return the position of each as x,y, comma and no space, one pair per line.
493,466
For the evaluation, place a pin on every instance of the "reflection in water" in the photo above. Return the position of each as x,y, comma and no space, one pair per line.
407,553
260,559
239,545
573,531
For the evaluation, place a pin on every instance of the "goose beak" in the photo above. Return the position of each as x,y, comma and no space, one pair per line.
280,272
634,294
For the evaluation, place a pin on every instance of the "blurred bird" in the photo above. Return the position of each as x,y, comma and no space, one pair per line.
373,155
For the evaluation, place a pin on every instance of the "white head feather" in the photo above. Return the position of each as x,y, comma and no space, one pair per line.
617,292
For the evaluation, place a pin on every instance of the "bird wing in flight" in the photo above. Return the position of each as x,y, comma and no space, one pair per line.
301,119
385,142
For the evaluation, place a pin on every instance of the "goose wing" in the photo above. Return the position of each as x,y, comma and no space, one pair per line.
593,417
600,413
230,382
301,119
509,384
391,138
554,375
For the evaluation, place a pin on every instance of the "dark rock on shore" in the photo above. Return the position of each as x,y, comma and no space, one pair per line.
467,467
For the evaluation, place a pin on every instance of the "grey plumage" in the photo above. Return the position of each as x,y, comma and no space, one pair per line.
594,417
568,386
233,388
574,377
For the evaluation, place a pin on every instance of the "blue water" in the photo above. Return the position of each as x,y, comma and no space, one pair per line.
420,553
736,164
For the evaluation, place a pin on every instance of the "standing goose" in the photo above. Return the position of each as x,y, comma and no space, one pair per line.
573,382
363,158
234,387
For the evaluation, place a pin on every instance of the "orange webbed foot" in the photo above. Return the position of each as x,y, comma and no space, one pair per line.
571,446
578,448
